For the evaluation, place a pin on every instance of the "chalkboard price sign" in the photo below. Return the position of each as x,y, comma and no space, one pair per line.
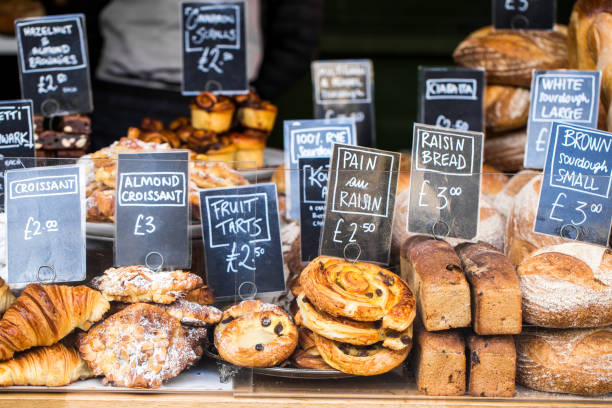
311,138
345,89
214,47
54,65
575,199
313,193
445,182
16,137
524,14
152,210
45,228
564,96
451,97
360,204
242,246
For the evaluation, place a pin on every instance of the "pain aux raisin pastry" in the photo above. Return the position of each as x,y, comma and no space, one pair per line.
359,291
255,334
306,355
132,284
139,347
362,316
359,360
212,112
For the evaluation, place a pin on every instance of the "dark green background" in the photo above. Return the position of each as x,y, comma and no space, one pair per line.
397,36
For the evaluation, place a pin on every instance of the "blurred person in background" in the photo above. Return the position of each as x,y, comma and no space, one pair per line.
136,56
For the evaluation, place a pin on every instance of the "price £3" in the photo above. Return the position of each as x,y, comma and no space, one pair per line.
582,209
35,228
144,225
443,194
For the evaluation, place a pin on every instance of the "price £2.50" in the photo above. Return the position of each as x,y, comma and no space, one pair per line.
351,228
442,194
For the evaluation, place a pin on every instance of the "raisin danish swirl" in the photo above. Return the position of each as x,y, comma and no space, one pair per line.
349,331
359,360
359,291
255,334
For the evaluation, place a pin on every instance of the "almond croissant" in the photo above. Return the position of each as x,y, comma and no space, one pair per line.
43,315
48,366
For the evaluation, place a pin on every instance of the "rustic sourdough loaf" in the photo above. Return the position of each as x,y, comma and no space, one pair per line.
567,285
575,361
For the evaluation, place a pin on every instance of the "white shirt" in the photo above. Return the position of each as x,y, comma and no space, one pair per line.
142,42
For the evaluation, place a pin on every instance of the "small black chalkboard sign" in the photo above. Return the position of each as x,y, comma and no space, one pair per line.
524,14
445,179
452,97
576,197
564,96
152,210
343,89
214,47
310,138
45,224
16,137
53,63
313,194
360,204
240,229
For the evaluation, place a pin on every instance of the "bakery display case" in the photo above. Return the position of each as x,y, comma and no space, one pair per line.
187,260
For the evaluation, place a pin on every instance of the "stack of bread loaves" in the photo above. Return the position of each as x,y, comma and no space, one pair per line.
509,57
471,285
567,302
359,316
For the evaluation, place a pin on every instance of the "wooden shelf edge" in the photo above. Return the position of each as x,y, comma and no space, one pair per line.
126,400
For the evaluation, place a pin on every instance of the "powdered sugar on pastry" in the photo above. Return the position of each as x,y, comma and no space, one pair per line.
140,347
133,284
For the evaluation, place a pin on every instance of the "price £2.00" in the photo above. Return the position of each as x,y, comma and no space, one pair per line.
35,228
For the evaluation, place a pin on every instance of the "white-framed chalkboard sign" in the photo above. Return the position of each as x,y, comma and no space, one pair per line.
310,138
152,210
576,195
45,224
360,206
314,172
345,89
445,176
524,14
452,97
560,95
54,64
16,137
242,246
214,47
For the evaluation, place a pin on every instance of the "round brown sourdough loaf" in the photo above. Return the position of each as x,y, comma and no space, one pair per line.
567,285
510,56
567,361
520,238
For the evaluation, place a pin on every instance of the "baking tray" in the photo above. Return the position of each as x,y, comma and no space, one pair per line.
284,372
202,378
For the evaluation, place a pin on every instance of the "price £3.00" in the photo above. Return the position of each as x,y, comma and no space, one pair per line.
442,194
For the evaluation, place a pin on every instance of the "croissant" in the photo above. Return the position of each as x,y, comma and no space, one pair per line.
6,297
43,315
48,366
